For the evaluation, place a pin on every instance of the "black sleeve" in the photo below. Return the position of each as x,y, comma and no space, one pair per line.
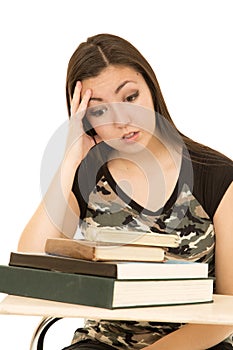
80,190
211,182
218,180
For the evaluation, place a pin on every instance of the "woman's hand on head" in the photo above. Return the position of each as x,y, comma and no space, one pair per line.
78,141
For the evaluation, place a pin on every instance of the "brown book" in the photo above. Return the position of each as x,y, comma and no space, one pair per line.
102,251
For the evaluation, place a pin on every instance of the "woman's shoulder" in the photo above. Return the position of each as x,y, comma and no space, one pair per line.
212,175
208,157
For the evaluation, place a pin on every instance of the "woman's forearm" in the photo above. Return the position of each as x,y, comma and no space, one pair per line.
56,199
193,337
48,219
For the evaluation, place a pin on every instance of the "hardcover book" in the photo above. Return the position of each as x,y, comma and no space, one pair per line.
115,269
100,251
102,292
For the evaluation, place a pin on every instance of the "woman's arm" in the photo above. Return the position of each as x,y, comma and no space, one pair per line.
58,213
54,218
193,337
198,336
223,224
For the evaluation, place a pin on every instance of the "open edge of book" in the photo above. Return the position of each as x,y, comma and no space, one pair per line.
113,235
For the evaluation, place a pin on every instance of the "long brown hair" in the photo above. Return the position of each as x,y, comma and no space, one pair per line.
102,50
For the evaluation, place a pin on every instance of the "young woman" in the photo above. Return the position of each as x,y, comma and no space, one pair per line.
126,166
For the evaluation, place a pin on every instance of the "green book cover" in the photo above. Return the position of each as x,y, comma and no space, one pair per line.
57,286
102,292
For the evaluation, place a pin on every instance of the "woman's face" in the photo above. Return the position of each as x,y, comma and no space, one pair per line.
121,108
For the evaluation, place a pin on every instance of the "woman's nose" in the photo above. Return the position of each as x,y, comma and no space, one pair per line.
120,115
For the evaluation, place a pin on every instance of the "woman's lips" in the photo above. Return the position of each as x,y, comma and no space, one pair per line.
131,136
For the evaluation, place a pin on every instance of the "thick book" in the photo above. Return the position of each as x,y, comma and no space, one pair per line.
115,269
113,235
102,292
101,251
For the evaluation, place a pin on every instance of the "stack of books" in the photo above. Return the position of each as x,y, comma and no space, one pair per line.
113,272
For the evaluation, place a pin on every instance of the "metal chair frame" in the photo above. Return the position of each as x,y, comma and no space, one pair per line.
37,342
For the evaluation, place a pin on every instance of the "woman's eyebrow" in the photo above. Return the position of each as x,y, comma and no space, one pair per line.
95,99
123,84
116,91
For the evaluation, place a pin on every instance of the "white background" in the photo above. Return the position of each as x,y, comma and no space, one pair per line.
189,45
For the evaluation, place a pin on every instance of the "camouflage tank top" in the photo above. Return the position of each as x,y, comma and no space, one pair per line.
188,213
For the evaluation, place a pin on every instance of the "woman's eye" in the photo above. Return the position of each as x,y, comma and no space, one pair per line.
97,112
132,97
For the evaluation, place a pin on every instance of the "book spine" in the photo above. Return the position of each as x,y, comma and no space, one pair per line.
57,286
62,264
69,248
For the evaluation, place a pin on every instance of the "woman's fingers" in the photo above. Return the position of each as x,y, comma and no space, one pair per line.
77,136
78,104
76,98
85,100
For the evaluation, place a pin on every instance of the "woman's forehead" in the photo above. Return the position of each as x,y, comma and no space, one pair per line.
112,79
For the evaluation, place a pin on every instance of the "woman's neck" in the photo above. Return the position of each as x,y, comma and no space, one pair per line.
156,152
